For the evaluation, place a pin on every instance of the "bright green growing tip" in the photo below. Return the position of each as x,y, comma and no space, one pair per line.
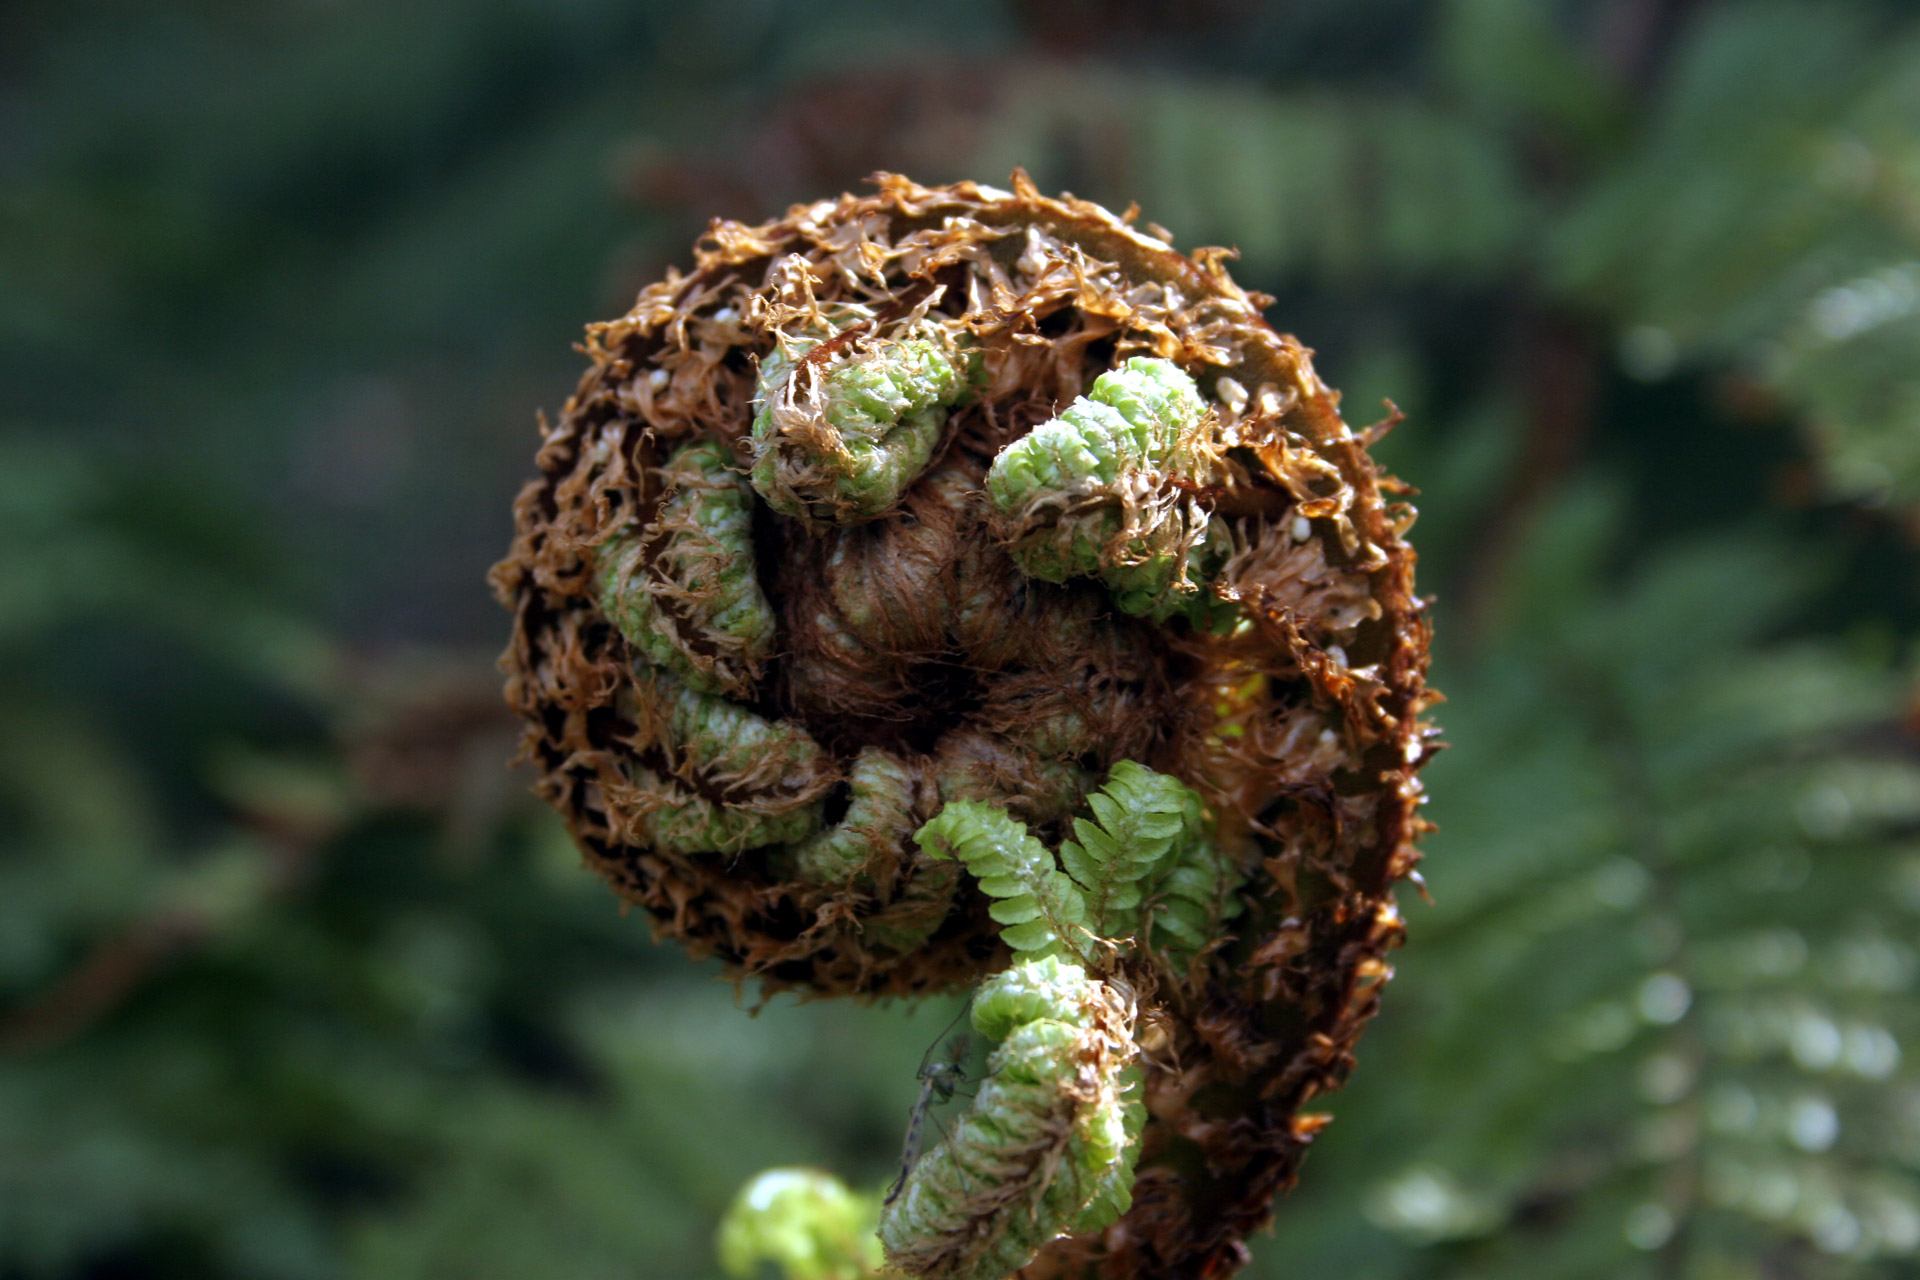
1142,822
1140,870
1098,491
1133,419
841,439
805,1222
1042,911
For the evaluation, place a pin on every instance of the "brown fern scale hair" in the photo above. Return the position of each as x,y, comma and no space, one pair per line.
908,639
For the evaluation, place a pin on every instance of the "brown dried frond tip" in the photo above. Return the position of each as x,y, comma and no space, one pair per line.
785,584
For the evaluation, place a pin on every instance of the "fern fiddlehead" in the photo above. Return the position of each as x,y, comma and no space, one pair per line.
1049,1145
1045,1141
682,590
724,779
847,422
1040,909
1027,497
1099,490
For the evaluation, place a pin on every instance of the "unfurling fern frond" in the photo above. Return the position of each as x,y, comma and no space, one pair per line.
1049,1144
1041,908
1141,871
890,346
1142,820
1149,870
1186,907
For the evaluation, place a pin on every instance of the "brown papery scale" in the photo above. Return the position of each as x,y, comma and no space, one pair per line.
757,797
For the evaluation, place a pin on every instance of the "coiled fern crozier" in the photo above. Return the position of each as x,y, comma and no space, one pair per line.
957,589
1081,489
1049,1146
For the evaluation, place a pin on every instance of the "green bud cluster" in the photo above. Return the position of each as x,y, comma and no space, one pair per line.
682,590
841,438
1098,491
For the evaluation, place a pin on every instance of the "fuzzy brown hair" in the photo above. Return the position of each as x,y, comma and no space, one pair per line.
914,637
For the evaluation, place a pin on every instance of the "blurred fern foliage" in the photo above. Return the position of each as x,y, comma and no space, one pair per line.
293,985
1659,1018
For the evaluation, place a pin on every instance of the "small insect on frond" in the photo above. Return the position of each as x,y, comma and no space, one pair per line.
1050,1142
940,1079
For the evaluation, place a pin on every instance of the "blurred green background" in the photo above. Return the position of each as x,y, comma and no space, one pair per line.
296,984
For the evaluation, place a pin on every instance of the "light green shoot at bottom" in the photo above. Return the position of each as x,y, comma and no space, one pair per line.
809,1224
